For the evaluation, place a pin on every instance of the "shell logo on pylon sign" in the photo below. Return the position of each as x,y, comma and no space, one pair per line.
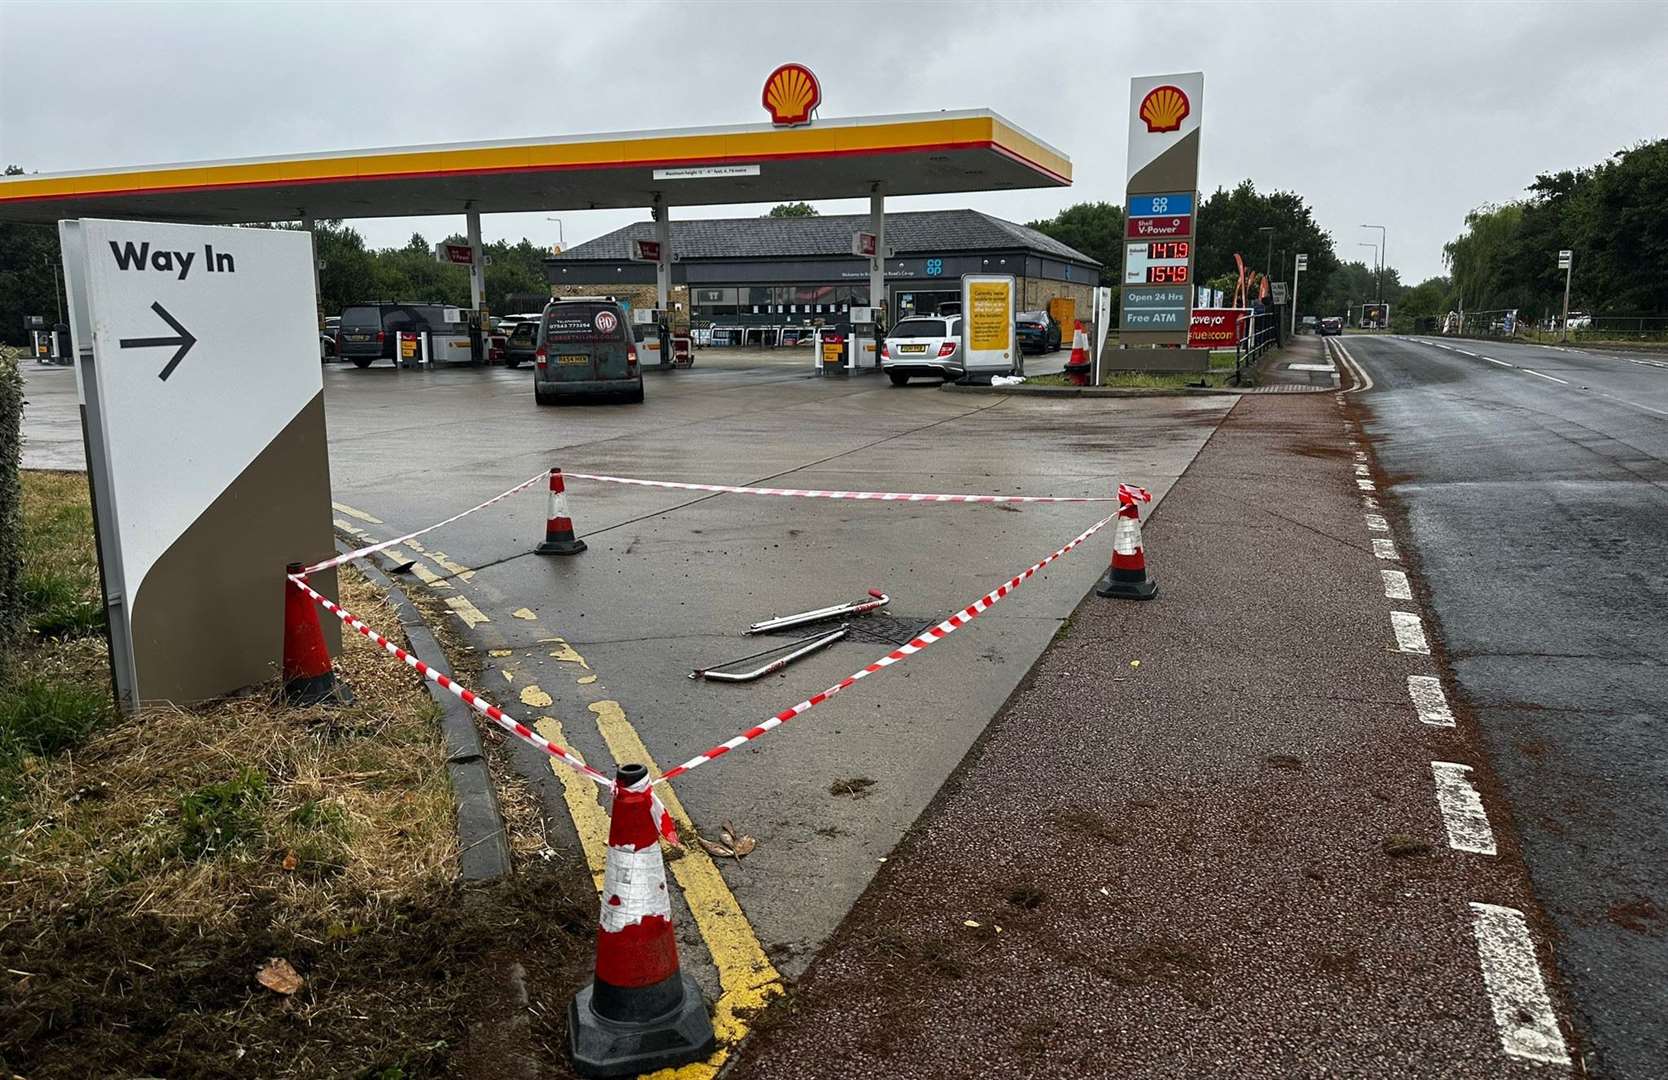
791,94
1164,108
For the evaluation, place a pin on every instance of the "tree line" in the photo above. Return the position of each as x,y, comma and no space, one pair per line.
1613,216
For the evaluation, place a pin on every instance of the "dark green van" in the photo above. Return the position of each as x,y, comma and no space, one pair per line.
585,348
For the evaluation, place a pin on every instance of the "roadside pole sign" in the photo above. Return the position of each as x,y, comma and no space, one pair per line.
1303,262
1299,264
1279,288
447,253
645,251
1103,324
202,406
1160,203
987,319
864,244
1566,263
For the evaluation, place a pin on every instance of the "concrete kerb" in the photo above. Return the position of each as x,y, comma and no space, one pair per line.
483,845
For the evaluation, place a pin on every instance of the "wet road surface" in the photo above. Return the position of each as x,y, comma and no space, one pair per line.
1535,482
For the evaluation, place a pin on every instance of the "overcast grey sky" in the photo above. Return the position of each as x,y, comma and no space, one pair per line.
1406,115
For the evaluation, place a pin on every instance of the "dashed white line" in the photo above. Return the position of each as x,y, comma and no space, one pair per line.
1462,809
1492,360
1369,502
1428,699
1517,993
1362,470
1365,485
1384,548
1360,455
1549,378
1396,586
1410,633
1377,523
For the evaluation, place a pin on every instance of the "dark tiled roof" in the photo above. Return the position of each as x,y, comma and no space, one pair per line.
916,232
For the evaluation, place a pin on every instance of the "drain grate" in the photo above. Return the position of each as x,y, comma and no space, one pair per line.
875,629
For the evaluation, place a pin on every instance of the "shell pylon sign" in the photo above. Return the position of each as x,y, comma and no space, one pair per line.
1160,205
791,94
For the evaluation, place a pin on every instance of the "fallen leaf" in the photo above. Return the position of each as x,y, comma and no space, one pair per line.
290,861
278,976
500,652
1135,663
717,849
970,923
523,613
727,833
744,845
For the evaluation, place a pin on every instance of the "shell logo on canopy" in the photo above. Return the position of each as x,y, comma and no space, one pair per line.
1164,108
791,95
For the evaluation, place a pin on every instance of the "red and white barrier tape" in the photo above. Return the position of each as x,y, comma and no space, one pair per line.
937,633
385,544
813,493
663,820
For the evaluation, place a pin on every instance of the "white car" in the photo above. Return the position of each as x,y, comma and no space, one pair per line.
927,345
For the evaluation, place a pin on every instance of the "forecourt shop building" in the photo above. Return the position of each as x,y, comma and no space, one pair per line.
761,272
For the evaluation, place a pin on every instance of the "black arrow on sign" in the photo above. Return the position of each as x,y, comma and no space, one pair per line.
183,339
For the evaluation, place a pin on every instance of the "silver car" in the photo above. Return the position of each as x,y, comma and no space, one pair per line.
923,345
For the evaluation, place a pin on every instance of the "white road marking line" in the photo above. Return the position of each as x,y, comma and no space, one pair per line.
1410,633
1365,485
1462,809
1360,455
1492,360
1517,993
1377,523
1549,378
1362,470
1428,699
1396,586
1384,547
1363,381
1369,502
1467,352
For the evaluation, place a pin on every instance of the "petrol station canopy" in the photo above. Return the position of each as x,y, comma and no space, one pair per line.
910,154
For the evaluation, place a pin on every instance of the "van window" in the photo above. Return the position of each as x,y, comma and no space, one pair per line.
365,317
920,328
584,323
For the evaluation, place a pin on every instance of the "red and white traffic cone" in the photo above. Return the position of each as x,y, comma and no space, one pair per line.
1127,577
558,527
308,677
641,1012
1077,366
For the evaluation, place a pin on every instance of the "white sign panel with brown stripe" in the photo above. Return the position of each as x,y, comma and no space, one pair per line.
198,368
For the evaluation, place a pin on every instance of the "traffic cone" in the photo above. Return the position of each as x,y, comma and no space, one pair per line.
558,527
1127,578
640,1012
1077,367
308,677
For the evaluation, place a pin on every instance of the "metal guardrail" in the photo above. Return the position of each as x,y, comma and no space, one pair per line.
1258,334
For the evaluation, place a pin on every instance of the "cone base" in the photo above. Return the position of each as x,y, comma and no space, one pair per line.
323,689
602,1047
1126,590
560,547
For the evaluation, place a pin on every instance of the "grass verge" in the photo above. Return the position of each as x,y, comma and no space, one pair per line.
154,865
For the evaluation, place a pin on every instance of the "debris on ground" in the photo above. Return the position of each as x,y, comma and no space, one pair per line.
855,786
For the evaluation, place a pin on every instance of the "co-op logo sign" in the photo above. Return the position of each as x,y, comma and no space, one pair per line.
791,95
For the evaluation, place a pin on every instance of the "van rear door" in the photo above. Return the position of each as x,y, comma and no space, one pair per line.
586,341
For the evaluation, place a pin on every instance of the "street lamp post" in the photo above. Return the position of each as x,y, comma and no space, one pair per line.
1268,261
1364,243
1383,255
1566,259
561,241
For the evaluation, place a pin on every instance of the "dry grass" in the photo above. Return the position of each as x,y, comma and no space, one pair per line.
358,796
